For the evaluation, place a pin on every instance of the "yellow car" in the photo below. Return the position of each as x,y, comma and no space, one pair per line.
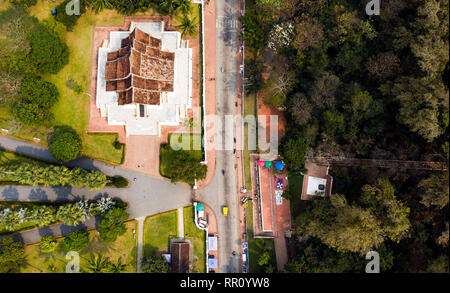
225,211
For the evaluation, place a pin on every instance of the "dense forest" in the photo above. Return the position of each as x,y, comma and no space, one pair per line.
358,86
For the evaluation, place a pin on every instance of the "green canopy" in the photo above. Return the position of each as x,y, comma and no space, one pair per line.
268,164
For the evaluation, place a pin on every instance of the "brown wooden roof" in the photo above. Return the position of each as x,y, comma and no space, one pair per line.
139,71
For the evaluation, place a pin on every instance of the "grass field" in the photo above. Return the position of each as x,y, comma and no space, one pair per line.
295,189
257,246
166,156
124,247
199,237
72,109
158,230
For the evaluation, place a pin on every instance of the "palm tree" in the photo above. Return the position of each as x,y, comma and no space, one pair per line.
99,5
184,6
169,6
97,264
117,267
188,26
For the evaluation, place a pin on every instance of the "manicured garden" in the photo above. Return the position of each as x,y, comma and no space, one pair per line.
199,238
180,161
123,248
158,229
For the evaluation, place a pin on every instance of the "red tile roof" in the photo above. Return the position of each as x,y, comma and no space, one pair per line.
140,70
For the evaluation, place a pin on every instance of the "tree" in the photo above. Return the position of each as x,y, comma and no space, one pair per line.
51,175
421,102
169,6
310,32
69,20
188,26
48,52
361,226
100,5
154,264
293,151
38,91
279,85
98,264
391,213
117,267
77,241
48,244
257,24
70,214
111,225
184,6
435,190
12,255
65,144
183,166
31,114
383,65
24,3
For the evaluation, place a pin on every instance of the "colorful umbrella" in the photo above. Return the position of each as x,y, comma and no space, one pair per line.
268,164
260,163
279,165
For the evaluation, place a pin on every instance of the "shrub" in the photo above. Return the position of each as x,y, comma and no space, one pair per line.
154,264
31,114
77,241
65,144
69,20
117,145
38,91
120,182
48,52
24,3
12,255
48,243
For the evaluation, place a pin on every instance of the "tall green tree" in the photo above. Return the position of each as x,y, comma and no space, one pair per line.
12,255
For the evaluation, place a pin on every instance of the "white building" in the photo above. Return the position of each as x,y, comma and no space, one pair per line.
144,78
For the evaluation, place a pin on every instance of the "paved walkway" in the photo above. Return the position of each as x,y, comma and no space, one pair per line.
180,222
140,243
145,196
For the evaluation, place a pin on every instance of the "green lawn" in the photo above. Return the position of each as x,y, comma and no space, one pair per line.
199,237
124,247
158,230
72,109
256,246
295,189
166,155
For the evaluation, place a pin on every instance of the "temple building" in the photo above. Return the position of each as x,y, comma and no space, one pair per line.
144,78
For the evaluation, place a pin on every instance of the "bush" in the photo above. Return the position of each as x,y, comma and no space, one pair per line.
38,91
117,145
120,182
23,3
77,241
31,114
69,20
48,243
154,264
12,255
65,144
48,52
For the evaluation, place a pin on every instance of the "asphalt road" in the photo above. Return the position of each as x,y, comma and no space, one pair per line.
223,188
145,196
